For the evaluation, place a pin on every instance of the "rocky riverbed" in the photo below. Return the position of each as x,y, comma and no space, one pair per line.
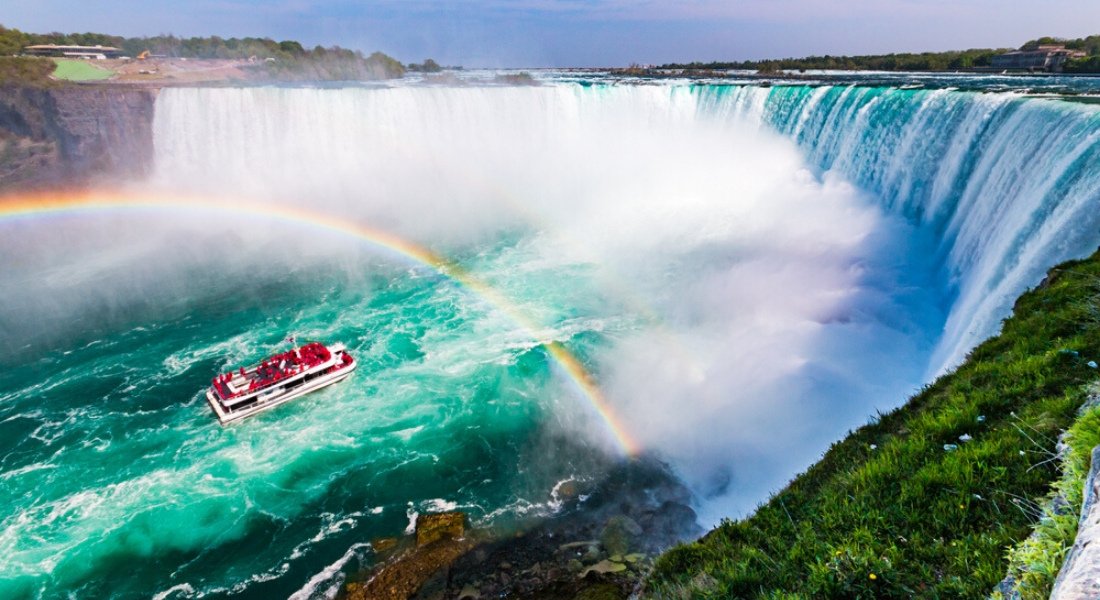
598,545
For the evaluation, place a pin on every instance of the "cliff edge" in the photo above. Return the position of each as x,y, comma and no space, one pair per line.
70,136
1080,574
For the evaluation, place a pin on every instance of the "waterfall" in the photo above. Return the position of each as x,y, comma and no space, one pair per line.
1009,185
818,251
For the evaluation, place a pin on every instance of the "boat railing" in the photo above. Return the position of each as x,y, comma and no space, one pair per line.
280,368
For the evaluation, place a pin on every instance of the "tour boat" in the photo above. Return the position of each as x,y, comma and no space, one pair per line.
278,379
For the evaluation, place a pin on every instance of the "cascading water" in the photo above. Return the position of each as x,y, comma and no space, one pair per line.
747,272
1009,185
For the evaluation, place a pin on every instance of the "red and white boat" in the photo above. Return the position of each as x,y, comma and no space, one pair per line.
278,379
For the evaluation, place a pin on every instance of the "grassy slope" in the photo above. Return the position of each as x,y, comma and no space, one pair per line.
888,512
79,70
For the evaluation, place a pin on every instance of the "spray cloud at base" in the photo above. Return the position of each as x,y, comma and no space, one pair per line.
750,298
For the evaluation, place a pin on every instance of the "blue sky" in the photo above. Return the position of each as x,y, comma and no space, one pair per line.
533,33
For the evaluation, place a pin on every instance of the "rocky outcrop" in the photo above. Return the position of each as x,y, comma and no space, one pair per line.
433,527
1079,578
69,136
440,540
598,547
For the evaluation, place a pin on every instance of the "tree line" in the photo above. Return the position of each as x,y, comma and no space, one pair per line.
284,59
955,60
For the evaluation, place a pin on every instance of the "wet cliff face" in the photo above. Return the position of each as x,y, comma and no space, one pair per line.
74,135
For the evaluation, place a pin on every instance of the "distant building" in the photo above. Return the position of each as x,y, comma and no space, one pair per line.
1043,58
87,52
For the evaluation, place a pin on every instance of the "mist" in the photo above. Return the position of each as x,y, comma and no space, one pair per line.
72,279
752,311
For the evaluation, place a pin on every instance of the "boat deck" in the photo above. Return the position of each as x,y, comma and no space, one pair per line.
278,378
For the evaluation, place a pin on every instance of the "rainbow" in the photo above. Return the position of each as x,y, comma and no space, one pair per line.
29,206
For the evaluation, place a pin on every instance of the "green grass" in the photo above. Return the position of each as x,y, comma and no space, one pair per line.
79,70
1034,562
890,513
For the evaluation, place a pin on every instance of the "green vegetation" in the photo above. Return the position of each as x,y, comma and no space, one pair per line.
1090,64
332,64
428,66
12,41
1089,45
925,61
521,78
34,71
956,60
79,70
287,59
933,498
1034,563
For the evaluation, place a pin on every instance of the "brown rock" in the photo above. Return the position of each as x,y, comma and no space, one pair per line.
354,591
437,526
422,571
381,545
404,576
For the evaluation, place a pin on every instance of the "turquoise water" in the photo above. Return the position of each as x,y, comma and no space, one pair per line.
122,485
748,273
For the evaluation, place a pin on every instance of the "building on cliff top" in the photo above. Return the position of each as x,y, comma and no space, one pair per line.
1043,58
86,52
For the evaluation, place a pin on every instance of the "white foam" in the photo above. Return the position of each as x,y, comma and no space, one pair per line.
180,590
556,501
411,513
406,434
27,469
522,507
330,525
261,577
438,505
326,584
